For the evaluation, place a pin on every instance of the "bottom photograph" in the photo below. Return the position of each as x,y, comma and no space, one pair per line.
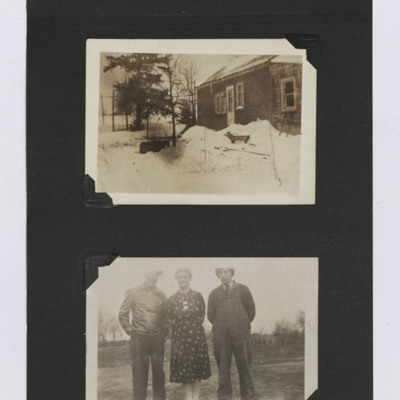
203,328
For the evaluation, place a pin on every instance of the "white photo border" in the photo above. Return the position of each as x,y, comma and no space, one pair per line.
310,301
94,47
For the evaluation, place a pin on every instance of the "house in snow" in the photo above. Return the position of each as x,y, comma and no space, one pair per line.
250,88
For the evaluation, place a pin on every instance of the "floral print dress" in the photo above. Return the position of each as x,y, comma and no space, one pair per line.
189,352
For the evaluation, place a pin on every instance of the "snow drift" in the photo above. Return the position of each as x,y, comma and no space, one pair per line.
203,162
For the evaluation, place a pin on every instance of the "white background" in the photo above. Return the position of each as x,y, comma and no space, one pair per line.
386,199
386,89
12,200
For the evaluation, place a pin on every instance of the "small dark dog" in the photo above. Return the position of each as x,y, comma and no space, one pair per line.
155,145
239,138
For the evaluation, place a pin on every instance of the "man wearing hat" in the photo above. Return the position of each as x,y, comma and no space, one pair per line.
147,329
231,309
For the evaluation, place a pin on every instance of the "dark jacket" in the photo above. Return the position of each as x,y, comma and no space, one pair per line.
148,309
239,290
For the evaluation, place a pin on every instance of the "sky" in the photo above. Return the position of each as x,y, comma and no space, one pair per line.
279,285
207,65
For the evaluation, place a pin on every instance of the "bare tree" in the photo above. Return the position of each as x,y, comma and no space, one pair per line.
282,331
287,332
300,321
262,340
102,323
189,70
108,325
115,328
176,90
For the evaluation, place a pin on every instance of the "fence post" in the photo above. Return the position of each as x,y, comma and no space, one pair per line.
113,123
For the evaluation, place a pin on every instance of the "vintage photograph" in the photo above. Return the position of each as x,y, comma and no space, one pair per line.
200,121
203,328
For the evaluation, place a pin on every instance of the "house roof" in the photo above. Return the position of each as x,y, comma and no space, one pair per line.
238,65
287,59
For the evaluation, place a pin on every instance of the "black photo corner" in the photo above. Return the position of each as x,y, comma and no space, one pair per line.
72,230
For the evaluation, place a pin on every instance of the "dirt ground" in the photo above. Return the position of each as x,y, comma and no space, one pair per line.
278,380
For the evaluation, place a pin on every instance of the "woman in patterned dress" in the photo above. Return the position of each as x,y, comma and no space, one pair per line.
190,362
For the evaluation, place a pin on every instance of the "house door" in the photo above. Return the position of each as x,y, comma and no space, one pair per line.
230,108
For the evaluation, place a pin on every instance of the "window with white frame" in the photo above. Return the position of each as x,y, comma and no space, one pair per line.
288,94
239,95
220,107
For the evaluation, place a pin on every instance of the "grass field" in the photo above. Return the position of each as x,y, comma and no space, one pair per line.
276,376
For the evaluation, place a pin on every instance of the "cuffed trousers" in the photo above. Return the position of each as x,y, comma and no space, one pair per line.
144,348
236,340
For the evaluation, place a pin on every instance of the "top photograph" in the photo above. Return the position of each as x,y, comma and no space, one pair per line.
203,121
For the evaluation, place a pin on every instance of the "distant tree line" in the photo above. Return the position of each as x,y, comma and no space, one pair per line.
284,333
108,327
154,84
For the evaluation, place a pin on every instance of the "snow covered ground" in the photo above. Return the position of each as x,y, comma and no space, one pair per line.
203,162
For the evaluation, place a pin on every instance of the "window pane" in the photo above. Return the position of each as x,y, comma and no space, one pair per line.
290,100
289,87
230,100
240,95
220,103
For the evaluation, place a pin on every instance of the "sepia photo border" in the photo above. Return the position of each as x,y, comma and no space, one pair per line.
311,296
94,47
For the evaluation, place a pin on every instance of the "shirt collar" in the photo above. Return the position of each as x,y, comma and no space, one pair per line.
230,284
147,288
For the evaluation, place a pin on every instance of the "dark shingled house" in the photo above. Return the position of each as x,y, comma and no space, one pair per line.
250,88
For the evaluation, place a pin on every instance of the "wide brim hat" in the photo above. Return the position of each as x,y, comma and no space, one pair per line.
154,271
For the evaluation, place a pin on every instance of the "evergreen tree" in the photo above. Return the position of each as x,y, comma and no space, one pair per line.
155,103
143,79
186,115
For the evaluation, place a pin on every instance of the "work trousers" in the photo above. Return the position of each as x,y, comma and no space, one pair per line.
233,338
144,348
